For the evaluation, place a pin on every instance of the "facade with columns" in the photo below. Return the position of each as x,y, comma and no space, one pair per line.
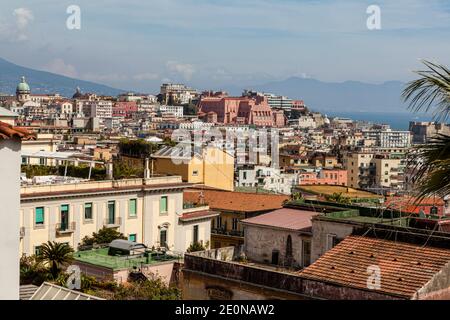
148,211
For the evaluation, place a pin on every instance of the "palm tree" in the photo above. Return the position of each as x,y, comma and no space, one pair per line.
55,255
431,161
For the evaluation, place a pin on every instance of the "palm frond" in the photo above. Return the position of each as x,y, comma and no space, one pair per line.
430,164
432,89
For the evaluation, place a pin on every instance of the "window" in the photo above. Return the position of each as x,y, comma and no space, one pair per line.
195,173
64,216
132,210
289,246
275,256
39,216
111,212
24,160
42,161
219,222
195,235
234,223
163,238
163,204
244,175
37,250
132,237
306,253
88,211
331,241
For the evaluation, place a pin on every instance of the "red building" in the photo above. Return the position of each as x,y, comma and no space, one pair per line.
238,110
124,109
336,177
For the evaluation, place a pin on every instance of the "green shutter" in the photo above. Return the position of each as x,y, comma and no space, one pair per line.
39,216
163,204
88,211
133,211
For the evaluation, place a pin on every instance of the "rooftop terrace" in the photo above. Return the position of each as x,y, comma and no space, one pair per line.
100,257
347,192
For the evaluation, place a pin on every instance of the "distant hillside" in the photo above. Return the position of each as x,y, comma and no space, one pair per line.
330,96
46,82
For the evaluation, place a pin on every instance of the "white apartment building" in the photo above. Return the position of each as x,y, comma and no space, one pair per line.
267,178
148,211
101,109
305,122
178,92
389,138
177,111
10,144
374,170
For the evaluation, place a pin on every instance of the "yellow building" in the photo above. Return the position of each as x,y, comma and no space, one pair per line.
211,166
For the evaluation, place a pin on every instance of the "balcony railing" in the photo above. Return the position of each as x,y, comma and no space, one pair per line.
223,231
65,228
112,223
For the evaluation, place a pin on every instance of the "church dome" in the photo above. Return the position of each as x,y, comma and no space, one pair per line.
23,87
77,94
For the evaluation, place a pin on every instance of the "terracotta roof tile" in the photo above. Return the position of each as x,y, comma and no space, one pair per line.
235,201
405,268
7,131
187,216
291,219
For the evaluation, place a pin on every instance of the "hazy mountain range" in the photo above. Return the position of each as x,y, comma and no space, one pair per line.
349,96
46,82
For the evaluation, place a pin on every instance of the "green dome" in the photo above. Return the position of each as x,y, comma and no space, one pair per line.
23,86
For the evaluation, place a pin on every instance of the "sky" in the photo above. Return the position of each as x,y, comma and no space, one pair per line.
137,45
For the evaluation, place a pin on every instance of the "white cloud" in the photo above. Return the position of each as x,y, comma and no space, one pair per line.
60,67
113,77
183,69
23,17
146,76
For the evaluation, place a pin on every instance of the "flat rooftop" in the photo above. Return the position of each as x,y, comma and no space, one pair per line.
100,257
289,219
347,192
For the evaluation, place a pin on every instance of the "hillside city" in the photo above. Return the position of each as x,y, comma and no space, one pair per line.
188,194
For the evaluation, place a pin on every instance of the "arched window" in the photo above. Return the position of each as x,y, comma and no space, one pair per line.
289,246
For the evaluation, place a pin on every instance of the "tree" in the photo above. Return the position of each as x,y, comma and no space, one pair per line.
32,271
55,255
151,289
430,162
339,198
123,170
137,148
103,236
196,246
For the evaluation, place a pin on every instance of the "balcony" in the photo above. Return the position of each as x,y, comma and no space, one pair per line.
112,223
223,231
65,228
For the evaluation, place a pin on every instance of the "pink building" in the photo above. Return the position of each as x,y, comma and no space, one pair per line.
124,109
325,176
279,119
238,110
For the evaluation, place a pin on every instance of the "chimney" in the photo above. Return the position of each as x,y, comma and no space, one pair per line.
147,169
